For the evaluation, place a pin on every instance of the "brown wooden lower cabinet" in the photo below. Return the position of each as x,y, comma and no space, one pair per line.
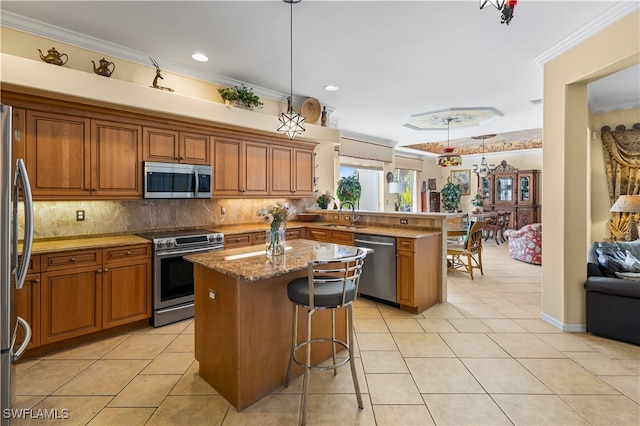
85,291
28,308
126,285
418,272
328,236
71,302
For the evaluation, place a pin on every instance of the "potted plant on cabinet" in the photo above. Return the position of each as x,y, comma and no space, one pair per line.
349,189
477,202
242,96
451,195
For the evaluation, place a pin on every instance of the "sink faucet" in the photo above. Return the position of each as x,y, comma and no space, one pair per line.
354,219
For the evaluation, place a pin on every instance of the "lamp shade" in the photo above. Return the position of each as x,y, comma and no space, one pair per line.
626,204
397,187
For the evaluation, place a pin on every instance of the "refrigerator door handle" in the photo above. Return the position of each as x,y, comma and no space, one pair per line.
20,271
27,338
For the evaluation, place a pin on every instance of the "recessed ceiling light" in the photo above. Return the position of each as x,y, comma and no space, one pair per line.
330,88
200,57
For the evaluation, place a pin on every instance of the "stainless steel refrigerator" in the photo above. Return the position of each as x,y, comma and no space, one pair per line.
13,268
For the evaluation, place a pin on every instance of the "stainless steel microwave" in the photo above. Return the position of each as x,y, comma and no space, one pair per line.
170,180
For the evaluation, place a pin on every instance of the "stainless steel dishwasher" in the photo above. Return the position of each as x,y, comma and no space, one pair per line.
378,277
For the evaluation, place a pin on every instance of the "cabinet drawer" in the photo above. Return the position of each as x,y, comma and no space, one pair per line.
405,244
259,238
345,238
142,251
70,259
319,235
294,234
34,264
237,240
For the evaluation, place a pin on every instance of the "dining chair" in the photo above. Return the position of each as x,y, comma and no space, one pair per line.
468,254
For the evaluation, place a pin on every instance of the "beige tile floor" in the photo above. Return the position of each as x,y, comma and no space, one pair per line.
483,358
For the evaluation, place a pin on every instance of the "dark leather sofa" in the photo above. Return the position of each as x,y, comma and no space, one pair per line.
613,304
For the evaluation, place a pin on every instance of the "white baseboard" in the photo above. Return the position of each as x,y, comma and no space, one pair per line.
569,328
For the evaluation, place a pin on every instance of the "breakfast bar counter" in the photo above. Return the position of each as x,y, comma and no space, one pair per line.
243,317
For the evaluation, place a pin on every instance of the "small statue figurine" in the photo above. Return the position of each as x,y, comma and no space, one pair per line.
323,119
158,76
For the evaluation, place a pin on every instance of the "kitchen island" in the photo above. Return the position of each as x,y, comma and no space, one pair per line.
243,317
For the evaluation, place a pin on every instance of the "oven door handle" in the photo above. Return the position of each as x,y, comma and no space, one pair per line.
184,252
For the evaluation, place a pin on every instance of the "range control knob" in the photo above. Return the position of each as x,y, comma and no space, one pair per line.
219,238
211,238
160,244
169,243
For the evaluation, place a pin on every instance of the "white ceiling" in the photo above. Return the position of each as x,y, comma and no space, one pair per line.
391,59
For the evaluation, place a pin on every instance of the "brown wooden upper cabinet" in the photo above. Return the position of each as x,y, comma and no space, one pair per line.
171,146
74,157
244,167
240,167
292,172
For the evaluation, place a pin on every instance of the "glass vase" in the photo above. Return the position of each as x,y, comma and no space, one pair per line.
275,242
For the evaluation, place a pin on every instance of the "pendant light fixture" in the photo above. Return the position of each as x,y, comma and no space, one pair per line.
505,6
485,169
292,122
449,158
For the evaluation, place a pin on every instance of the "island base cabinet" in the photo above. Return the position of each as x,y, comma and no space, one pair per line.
243,334
418,273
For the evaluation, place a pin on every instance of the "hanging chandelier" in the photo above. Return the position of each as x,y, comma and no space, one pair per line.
449,158
485,169
506,6
292,122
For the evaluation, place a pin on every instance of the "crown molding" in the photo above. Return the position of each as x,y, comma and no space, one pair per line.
42,29
616,12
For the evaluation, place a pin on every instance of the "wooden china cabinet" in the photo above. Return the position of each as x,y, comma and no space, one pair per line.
508,189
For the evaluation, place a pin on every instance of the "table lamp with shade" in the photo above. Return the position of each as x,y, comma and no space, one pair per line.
628,204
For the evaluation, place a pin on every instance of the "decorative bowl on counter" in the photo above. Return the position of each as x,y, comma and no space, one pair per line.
307,217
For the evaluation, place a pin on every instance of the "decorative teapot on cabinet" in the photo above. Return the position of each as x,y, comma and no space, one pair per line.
104,69
54,57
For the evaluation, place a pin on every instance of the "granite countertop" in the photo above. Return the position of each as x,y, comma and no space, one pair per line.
252,264
371,229
86,242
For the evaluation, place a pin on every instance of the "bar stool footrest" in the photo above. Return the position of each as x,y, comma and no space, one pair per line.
321,367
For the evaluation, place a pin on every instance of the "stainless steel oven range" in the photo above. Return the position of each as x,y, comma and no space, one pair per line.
172,275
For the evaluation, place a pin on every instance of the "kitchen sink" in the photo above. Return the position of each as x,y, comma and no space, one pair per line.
336,226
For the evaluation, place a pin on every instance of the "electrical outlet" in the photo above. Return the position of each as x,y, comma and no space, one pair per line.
347,218
336,217
404,221
79,215
213,295
223,210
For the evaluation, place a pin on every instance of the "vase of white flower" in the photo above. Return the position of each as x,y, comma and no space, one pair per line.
275,242
276,217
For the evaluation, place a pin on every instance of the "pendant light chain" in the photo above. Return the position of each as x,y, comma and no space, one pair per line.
291,122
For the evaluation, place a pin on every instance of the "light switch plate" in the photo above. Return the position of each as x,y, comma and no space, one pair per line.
213,295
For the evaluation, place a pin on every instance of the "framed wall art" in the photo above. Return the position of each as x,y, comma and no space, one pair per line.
462,178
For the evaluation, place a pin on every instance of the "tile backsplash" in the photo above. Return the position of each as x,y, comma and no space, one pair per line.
58,218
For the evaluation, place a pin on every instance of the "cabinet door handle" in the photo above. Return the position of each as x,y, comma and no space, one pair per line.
17,135
128,253
99,271
73,259
106,270
37,280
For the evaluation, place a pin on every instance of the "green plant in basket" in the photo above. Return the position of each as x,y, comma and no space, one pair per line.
349,189
451,195
241,95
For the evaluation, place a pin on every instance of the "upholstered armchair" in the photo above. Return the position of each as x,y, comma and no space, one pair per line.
525,244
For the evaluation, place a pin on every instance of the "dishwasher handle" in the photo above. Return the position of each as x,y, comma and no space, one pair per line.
374,243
